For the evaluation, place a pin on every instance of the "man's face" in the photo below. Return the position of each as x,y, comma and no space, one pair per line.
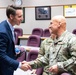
54,26
17,19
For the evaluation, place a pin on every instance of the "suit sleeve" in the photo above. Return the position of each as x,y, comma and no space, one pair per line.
4,56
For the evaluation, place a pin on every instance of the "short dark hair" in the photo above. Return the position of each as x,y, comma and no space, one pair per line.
11,9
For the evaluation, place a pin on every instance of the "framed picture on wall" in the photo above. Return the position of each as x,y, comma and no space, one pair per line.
69,11
43,13
23,15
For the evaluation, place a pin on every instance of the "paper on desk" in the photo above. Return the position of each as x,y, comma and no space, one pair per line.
31,48
21,72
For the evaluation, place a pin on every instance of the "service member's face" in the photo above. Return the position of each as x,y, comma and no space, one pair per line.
17,19
53,27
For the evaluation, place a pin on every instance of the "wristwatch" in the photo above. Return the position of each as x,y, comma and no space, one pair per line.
18,2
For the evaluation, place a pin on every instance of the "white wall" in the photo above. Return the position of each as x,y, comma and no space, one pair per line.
4,3
30,21
47,2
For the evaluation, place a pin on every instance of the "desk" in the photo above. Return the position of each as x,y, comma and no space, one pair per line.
23,39
24,36
27,36
28,48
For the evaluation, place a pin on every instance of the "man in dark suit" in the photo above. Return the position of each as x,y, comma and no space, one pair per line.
7,48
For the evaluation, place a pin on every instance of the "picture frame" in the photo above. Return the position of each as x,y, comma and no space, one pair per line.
43,13
69,11
23,15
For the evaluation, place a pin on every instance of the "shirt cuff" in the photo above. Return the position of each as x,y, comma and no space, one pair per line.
19,65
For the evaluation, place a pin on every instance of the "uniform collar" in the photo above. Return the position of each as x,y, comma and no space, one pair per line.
61,37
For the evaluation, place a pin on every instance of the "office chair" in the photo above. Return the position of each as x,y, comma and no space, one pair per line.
34,41
32,55
16,38
37,31
74,31
46,33
65,74
22,55
18,32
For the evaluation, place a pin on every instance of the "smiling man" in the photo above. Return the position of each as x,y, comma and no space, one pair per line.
8,62
61,55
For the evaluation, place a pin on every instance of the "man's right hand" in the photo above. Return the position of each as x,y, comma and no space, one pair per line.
25,66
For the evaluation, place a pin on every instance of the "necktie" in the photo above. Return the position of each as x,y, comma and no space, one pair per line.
13,36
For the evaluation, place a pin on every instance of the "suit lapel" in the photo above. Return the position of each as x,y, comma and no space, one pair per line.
9,31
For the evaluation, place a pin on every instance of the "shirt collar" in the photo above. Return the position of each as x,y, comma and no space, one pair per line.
11,27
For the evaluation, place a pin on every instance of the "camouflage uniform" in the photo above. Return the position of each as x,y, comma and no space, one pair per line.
45,45
61,52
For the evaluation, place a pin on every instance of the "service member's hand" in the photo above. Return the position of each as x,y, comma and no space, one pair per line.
53,69
33,71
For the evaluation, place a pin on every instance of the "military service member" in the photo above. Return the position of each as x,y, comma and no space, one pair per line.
61,55
45,45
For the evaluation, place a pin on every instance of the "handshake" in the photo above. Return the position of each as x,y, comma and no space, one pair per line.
25,66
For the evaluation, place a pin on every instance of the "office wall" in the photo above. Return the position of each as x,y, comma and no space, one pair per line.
47,2
30,21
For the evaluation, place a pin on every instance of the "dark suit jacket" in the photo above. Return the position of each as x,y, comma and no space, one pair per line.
7,50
